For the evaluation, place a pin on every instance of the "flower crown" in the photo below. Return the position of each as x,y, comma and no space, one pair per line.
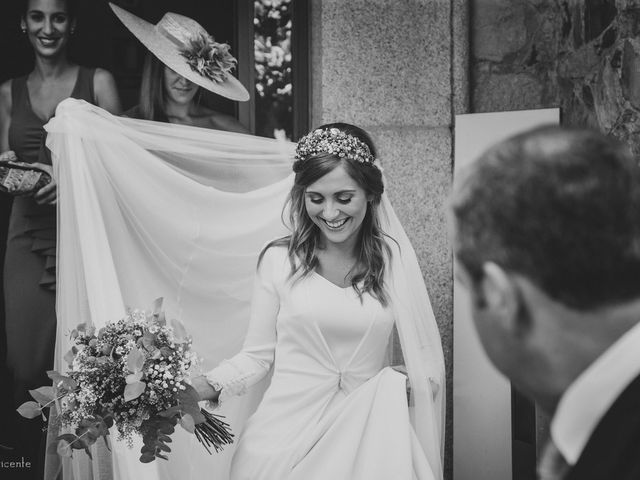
335,142
208,58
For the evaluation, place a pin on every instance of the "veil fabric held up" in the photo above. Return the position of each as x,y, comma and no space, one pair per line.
148,210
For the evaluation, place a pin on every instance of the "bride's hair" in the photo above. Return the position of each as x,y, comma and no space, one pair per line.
302,244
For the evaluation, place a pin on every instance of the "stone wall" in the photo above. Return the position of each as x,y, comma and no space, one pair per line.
581,56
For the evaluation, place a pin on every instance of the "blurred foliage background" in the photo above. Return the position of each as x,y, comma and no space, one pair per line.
273,80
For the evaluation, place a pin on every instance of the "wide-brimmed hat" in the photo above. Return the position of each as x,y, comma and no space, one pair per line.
184,45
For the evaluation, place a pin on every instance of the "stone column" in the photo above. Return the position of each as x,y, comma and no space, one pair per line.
398,69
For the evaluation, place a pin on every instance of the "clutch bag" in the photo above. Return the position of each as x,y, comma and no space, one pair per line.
20,178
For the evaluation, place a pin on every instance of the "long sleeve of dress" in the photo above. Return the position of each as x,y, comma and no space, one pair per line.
235,375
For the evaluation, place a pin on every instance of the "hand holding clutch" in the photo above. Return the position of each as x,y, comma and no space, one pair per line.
20,178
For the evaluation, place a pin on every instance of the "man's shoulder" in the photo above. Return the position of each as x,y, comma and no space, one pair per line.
613,450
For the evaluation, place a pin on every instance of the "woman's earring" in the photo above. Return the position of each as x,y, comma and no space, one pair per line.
24,29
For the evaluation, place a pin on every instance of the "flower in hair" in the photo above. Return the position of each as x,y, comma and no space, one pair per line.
335,142
210,59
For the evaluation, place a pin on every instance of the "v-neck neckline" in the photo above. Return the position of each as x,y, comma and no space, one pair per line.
331,283
26,86
323,339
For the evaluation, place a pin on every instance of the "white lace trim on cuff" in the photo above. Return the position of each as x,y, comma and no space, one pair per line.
229,379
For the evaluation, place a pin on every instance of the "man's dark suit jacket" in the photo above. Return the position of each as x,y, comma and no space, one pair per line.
613,451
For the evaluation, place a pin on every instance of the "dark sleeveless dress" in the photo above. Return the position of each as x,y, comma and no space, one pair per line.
29,271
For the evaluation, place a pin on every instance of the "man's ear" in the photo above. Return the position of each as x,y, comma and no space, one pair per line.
501,295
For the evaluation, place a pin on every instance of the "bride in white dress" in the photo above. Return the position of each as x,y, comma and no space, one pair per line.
323,308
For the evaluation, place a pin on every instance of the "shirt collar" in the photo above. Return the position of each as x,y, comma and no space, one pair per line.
590,396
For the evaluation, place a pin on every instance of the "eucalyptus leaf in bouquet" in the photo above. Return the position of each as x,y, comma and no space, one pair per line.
132,374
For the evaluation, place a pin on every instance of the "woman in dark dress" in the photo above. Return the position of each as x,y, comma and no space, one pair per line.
26,105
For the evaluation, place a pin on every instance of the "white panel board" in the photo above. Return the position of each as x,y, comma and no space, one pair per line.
481,396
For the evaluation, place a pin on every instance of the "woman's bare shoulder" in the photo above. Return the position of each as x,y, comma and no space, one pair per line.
5,114
5,94
222,121
104,86
102,77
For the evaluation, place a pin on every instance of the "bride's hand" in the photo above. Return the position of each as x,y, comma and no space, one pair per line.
204,388
403,370
433,382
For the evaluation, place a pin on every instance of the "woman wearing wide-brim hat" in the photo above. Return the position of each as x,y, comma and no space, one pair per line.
182,59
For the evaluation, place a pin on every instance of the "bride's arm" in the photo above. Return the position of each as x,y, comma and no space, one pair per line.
251,364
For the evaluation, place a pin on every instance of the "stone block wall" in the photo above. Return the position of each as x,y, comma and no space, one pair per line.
581,56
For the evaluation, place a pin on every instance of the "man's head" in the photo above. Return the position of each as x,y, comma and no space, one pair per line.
547,237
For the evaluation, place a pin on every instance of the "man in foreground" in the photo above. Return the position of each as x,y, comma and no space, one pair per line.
547,241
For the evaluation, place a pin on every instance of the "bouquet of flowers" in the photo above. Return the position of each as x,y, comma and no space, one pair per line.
133,374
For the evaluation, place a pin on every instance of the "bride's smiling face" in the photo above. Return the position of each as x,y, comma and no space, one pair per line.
337,205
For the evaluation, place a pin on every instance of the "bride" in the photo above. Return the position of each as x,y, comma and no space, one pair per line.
323,309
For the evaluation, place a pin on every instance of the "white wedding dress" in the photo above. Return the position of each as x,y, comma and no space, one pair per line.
149,210
331,411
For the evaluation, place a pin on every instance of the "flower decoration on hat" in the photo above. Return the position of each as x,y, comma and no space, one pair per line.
334,142
209,58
